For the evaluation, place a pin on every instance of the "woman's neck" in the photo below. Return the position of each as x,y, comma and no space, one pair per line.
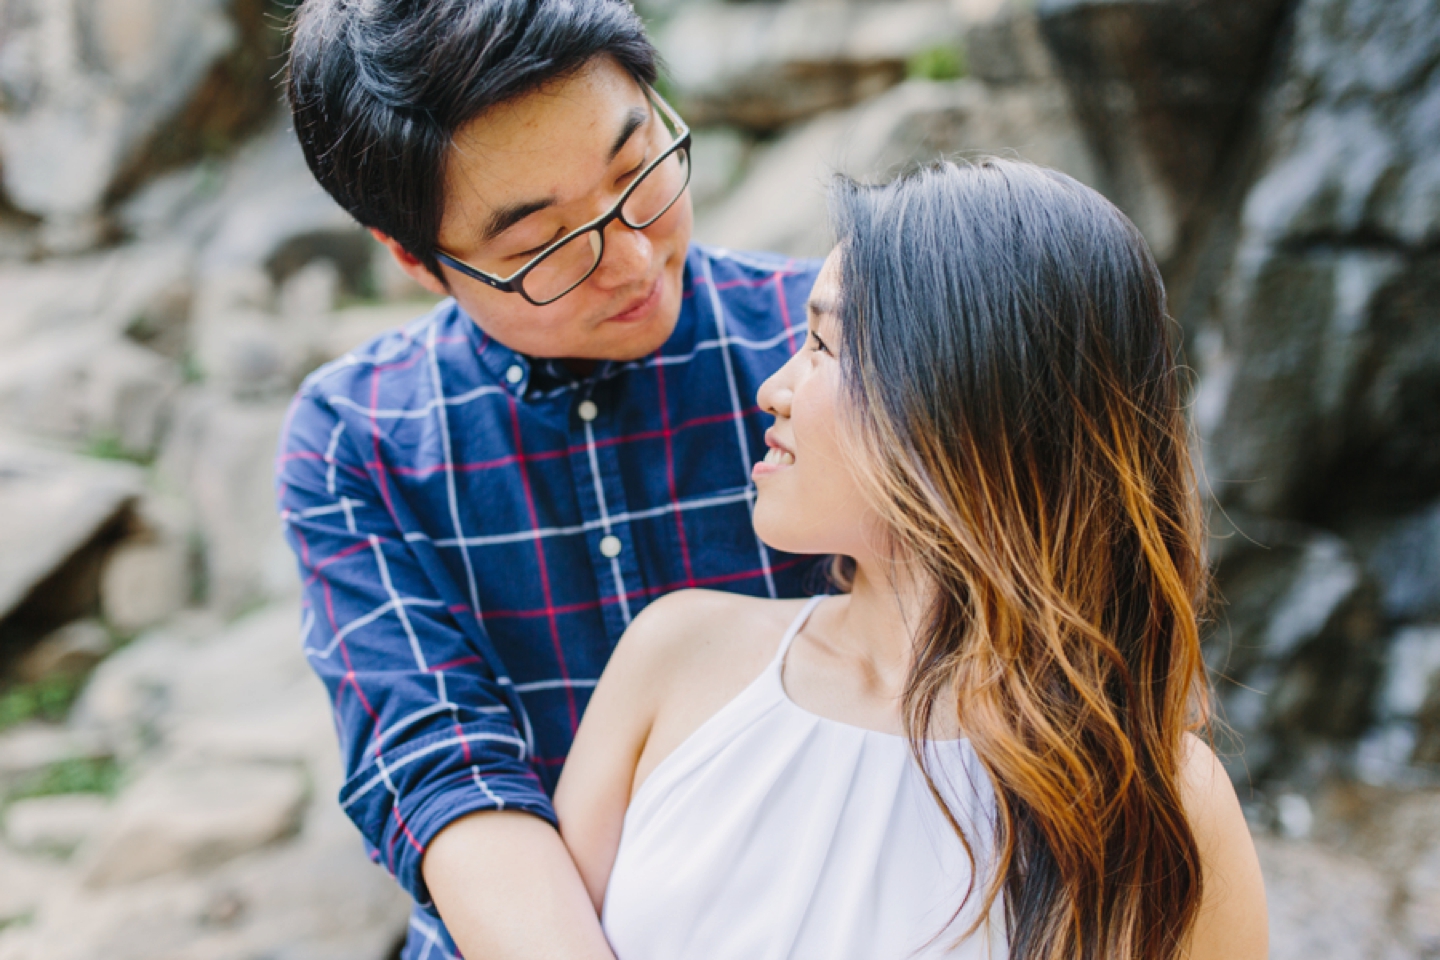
878,624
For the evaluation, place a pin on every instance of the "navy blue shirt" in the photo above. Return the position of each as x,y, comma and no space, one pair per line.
475,529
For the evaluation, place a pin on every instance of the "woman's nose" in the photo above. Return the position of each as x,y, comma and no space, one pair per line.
775,393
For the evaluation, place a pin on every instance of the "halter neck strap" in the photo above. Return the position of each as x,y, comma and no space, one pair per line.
797,625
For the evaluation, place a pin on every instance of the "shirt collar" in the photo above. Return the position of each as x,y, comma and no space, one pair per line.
529,377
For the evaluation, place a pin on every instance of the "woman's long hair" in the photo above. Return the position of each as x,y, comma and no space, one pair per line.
1012,382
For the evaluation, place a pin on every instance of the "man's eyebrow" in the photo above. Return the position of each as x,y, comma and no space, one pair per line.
506,217
634,120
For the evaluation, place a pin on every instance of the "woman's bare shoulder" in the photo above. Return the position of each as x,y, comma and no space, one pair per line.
697,630
1232,923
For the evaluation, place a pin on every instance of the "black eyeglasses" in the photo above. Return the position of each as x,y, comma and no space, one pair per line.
569,261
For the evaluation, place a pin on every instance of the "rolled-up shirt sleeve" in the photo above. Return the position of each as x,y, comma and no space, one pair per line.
428,732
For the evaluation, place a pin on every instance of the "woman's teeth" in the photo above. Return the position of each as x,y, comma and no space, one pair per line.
779,458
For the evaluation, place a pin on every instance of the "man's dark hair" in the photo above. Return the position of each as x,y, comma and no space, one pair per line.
378,89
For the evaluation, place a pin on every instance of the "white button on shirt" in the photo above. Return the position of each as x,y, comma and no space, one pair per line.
515,374
610,546
587,410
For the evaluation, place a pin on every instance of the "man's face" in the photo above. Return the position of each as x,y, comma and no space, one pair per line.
525,174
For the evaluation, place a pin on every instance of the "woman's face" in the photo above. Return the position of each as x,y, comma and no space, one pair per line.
809,500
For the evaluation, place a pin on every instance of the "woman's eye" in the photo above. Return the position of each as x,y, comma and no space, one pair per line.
818,344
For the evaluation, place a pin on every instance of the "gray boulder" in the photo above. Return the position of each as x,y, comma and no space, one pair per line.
1294,649
93,91
763,66
187,816
1406,564
100,389
781,203
1325,364
58,514
1323,905
1162,88
220,453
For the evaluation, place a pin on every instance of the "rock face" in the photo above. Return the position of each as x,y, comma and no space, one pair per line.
763,66
1162,89
781,204
55,511
193,815
225,840
1326,358
88,88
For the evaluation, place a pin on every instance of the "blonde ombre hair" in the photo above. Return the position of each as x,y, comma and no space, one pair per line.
1014,396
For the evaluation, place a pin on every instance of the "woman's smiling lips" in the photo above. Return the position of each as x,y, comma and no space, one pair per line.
777,458
640,307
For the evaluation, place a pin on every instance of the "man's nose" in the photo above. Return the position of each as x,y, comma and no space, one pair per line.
627,257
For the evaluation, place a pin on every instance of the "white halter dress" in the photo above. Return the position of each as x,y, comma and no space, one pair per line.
775,834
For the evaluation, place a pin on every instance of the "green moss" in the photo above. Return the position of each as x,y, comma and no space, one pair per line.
107,446
937,63
47,699
190,369
79,775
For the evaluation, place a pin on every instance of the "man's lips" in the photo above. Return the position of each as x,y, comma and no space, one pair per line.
640,306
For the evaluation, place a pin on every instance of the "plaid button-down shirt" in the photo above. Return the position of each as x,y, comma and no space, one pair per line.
476,529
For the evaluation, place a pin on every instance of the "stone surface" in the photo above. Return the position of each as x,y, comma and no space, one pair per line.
781,204
278,218
151,56
221,454
317,898
148,576
1324,291
1295,652
196,688
56,824
68,652
1323,906
1398,833
347,329
53,505
92,89
1161,88
1406,564
186,816
763,66
96,388
131,290
29,748
24,882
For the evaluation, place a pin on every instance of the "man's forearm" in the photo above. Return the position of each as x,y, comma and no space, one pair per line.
507,890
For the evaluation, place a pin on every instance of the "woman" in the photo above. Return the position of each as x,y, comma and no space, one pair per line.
982,748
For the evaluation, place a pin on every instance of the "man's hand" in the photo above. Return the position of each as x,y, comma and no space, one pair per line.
507,890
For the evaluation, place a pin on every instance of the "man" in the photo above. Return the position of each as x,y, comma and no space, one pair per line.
482,501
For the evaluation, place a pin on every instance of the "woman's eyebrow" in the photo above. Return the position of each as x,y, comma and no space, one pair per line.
817,308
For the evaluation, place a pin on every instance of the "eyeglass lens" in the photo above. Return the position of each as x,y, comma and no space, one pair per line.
569,264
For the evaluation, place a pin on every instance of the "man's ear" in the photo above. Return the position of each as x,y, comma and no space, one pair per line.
413,268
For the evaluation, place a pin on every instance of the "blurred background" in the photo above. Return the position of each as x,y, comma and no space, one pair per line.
169,272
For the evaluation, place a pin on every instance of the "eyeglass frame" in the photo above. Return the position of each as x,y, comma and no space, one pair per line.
513,283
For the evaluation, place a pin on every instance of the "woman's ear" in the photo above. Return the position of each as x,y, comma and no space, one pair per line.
413,268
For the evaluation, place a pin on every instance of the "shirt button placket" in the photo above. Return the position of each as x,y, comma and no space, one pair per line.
602,495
